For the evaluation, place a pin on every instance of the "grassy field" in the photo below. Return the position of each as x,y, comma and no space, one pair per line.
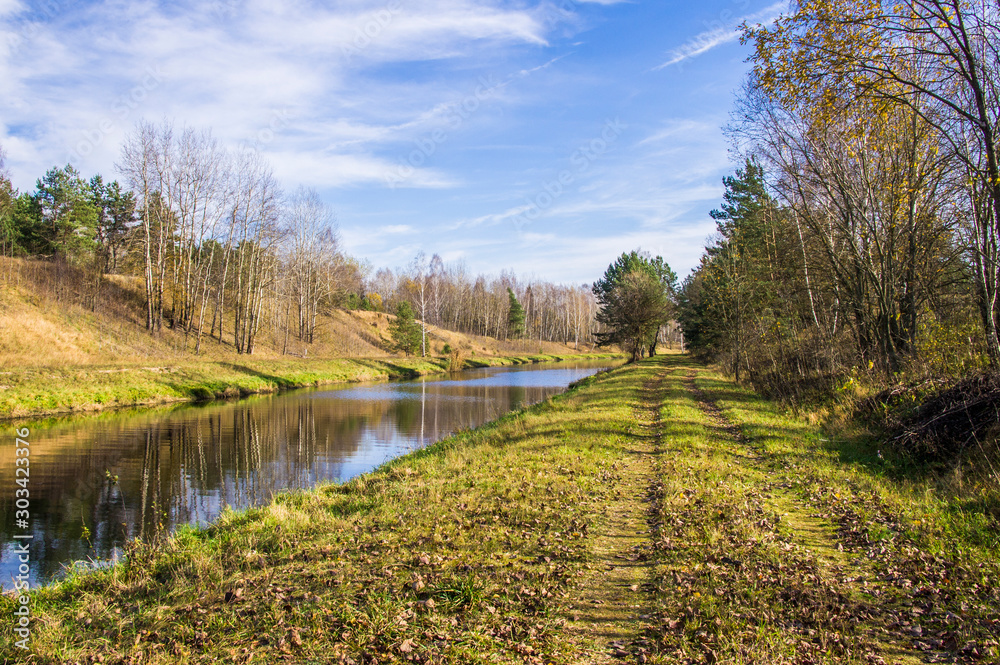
39,391
654,514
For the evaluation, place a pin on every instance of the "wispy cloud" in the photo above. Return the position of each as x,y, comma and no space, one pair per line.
492,219
396,229
723,34
231,65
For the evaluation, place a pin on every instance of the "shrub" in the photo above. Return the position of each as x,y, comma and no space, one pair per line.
456,360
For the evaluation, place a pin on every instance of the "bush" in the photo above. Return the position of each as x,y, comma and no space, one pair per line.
456,360
962,418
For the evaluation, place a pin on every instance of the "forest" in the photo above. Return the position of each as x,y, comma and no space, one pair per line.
858,242
223,252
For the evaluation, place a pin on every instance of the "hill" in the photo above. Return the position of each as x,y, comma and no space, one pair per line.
68,346
47,319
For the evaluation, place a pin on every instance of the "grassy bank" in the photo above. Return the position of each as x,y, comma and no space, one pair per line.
655,513
775,544
26,393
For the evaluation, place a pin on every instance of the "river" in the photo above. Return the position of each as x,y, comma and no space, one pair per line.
98,481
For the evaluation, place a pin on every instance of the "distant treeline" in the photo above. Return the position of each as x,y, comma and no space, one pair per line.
447,295
862,234
223,252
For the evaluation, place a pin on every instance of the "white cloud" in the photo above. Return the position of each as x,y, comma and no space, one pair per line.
396,229
333,170
233,66
580,260
10,7
493,218
723,34
683,130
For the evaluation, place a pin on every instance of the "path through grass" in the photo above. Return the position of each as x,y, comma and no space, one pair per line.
654,514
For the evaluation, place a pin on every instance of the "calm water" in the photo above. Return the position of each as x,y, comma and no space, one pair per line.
139,474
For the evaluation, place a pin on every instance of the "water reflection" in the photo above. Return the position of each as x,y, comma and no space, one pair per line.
96,483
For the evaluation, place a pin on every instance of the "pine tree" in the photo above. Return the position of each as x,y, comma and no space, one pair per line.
515,316
405,331
636,300
68,218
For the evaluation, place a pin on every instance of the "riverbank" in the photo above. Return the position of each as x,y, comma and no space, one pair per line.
654,513
43,391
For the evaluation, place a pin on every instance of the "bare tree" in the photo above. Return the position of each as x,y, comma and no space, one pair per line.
256,232
419,273
869,185
138,166
312,256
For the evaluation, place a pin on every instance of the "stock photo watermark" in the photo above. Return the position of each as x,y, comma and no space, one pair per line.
426,146
279,120
22,537
228,9
42,11
727,17
581,160
368,31
120,110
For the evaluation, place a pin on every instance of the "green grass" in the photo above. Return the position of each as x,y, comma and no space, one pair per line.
461,552
29,393
929,569
763,546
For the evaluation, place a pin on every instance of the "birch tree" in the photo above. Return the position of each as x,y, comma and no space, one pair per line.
938,58
312,257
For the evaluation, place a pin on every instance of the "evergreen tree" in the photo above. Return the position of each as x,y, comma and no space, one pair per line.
8,198
116,215
515,316
733,298
636,299
28,229
405,331
68,218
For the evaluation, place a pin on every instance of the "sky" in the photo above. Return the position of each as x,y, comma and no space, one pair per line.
545,137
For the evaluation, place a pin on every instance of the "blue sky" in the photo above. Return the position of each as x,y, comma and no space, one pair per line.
544,137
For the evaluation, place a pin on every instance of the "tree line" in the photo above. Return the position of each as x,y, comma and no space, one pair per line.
862,230
448,295
224,253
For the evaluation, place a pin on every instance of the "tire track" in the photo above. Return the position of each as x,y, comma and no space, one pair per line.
609,614
817,540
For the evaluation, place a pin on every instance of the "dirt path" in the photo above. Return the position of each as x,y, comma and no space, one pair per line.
612,603
814,537
817,536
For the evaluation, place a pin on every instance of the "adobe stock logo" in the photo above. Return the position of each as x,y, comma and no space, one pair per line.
457,113
581,160
121,109
371,29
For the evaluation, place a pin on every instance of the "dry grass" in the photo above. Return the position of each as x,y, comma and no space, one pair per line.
49,319
37,330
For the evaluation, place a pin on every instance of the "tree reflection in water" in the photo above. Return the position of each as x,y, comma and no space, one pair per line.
99,481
